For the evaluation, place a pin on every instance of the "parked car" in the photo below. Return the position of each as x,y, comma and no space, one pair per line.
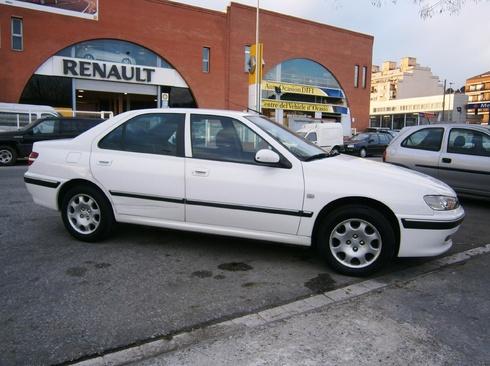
329,136
105,54
367,143
393,133
239,174
14,116
458,154
18,144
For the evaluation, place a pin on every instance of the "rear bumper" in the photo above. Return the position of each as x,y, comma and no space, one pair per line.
423,237
44,190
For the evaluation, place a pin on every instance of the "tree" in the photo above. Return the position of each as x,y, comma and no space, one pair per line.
429,8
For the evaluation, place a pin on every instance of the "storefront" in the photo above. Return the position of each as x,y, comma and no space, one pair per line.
299,91
106,75
119,55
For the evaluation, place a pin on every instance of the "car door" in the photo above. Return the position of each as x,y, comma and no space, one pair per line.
226,187
465,162
421,150
141,164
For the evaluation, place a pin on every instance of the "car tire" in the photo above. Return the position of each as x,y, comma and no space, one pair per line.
87,214
356,240
8,156
335,151
363,152
89,56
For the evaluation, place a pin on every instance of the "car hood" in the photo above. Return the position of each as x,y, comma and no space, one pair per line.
344,175
8,134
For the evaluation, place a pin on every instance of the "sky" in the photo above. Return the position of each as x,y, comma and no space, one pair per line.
455,47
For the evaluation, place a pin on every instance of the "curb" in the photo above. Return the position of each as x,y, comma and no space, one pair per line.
261,318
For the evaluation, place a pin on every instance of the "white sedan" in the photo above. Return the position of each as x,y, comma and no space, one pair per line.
239,174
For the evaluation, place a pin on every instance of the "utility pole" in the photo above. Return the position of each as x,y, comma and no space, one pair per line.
443,101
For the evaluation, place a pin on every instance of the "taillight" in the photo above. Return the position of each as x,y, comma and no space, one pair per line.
32,157
384,156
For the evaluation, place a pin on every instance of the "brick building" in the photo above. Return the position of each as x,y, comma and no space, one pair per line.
154,52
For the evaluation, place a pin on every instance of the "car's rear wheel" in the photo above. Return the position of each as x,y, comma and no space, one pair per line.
363,152
86,213
356,240
8,155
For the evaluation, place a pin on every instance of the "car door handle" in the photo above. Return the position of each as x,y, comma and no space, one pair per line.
104,162
446,160
200,172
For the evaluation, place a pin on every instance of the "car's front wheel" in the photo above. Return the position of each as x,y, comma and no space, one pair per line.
363,152
86,213
356,240
8,155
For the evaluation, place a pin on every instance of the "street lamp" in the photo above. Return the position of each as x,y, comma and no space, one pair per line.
258,87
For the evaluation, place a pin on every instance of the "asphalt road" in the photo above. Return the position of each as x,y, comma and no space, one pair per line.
63,300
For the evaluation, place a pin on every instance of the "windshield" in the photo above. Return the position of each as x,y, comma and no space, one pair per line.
299,147
360,137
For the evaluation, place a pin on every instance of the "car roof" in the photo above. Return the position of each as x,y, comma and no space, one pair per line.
452,125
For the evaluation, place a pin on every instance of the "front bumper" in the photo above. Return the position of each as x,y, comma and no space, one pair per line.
426,237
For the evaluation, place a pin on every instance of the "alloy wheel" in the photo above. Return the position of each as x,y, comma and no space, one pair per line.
355,243
83,213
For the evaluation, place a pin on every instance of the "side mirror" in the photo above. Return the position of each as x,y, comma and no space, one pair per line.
266,156
371,140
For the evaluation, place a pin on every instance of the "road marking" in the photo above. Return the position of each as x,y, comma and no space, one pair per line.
261,318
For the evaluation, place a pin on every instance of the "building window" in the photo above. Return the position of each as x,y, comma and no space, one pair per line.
356,76
364,76
205,59
247,58
17,34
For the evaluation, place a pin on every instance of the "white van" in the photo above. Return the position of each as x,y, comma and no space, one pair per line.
329,136
15,116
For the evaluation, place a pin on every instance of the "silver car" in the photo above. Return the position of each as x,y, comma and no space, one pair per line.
458,154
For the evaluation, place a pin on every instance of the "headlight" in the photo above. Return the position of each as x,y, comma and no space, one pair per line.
442,203
350,146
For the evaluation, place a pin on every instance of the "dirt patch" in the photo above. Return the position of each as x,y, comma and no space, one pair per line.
202,274
321,283
235,267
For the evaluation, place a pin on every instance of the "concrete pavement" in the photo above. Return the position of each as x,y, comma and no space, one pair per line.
437,313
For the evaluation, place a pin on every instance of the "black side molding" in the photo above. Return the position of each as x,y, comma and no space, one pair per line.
431,225
215,204
144,197
42,183
453,169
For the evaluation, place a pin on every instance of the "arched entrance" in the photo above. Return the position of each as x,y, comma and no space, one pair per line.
107,75
299,91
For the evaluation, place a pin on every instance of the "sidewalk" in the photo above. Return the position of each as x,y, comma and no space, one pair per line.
440,318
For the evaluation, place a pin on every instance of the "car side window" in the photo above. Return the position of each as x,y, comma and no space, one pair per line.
384,138
469,142
68,127
225,139
149,134
311,137
46,127
373,138
426,139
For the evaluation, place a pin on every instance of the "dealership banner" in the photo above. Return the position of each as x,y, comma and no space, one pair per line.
297,106
301,89
88,9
